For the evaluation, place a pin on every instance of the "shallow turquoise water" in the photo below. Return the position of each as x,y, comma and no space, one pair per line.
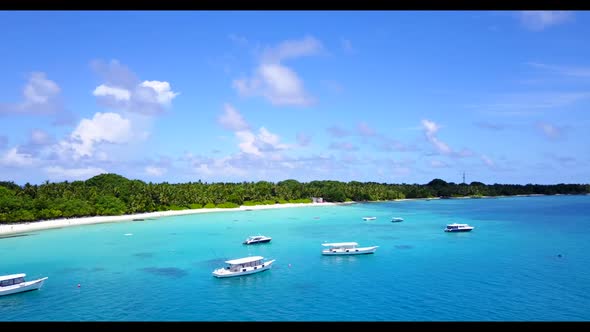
507,269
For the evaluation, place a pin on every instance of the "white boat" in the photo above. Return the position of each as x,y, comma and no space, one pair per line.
346,248
397,219
15,283
369,218
243,266
458,228
257,239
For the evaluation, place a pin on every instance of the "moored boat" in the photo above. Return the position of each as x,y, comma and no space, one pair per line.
243,266
455,227
16,283
346,248
257,239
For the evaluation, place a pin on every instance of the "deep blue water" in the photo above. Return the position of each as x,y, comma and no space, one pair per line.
506,269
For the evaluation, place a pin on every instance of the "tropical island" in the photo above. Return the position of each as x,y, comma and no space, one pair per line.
114,195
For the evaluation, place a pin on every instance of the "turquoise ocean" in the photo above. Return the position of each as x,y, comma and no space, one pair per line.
528,259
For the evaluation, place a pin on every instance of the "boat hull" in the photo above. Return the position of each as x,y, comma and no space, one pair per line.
459,230
258,242
353,251
23,287
224,273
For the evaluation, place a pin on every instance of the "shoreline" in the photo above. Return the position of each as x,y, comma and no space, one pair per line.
18,228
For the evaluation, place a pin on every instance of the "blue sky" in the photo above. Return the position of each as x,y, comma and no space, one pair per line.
231,96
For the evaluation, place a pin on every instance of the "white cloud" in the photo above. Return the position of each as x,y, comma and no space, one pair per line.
114,73
38,142
102,128
247,140
292,49
276,82
218,168
203,169
268,141
538,20
430,130
164,94
265,141
231,119
123,90
39,89
430,126
40,137
13,158
155,171
40,96
283,86
59,173
118,93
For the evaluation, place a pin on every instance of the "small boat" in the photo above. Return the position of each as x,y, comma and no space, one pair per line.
243,266
346,248
397,219
369,218
458,228
257,239
15,283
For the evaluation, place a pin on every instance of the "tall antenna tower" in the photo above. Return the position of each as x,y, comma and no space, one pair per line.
463,176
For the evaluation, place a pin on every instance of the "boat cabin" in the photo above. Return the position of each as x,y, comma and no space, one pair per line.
236,265
340,245
13,279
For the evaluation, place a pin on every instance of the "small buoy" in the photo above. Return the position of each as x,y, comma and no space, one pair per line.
289,265
559,255
78,285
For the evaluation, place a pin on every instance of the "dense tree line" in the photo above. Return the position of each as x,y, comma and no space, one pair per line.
112,194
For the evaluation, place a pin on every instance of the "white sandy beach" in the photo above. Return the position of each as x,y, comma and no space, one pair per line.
16,228
7,229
